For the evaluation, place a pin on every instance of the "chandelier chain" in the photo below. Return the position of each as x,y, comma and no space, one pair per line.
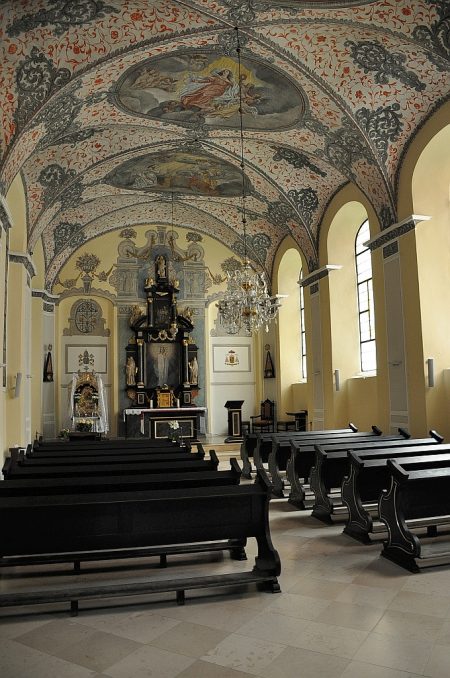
246,304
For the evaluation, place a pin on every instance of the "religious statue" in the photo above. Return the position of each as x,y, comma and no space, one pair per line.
193,371
131,371
160,266
136,313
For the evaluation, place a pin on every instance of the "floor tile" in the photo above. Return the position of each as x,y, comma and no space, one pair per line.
410,626
294,605
394,652
55,636
362,617
245,654
308,635
149,662
201,669
370,595
99,651
318,588
190,639
409,601
438,665
296,662
362,670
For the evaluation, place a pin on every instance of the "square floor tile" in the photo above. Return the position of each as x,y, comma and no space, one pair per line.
149,662
243,653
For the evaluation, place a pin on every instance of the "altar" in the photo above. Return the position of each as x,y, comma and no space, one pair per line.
154,422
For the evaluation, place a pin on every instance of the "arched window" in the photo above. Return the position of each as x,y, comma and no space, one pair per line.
302,331
365,300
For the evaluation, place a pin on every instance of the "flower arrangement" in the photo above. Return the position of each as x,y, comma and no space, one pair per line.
64,433
174,430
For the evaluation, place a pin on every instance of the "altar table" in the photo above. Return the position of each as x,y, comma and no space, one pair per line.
154,422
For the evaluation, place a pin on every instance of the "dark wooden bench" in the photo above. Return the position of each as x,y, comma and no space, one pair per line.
151,481
105,449
16,471
20,459
303,458
285,450
332,465
121,458
104,443
418,495
148,482
368,476
113,522
250,440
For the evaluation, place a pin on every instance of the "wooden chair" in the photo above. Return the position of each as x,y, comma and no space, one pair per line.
265,421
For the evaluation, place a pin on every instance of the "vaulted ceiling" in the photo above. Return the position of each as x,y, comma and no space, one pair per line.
111,109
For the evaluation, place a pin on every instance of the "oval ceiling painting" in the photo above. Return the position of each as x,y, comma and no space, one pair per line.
182,171
193,87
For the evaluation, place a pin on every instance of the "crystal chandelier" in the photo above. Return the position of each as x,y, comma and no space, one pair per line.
247,303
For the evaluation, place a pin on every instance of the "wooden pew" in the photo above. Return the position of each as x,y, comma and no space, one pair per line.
368,476
303,458
104,443
109,459
332,465
148,482
17,471
418,496
285,451
109,522
19,459
105,449
250,440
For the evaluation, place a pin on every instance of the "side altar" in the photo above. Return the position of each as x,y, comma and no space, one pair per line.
161,362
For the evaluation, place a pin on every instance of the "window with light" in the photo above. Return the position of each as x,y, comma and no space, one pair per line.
365,300
302,331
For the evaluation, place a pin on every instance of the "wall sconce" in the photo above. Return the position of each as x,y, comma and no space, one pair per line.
337,380
430,368
15,388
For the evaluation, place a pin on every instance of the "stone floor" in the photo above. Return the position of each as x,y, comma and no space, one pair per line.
343,612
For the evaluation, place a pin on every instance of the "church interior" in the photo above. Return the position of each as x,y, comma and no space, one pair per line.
227,223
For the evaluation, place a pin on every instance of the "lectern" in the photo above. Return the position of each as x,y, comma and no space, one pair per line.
234,408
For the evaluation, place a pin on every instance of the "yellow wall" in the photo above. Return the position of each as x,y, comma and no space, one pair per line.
358,399
430,187
14,408
289,346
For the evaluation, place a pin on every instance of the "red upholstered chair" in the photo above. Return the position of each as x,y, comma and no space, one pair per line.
265,421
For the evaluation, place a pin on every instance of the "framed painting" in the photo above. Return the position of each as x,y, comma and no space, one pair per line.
162,364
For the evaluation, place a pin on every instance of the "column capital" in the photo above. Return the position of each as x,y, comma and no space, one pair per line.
395,231
319,273
24,259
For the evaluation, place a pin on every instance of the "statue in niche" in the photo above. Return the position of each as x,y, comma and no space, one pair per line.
131,371
193,371
160,266
136,313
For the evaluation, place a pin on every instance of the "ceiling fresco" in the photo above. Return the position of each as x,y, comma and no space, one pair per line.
197,87
181,171
109,107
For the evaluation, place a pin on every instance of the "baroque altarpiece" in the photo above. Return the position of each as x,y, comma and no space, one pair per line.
158,284
161,361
